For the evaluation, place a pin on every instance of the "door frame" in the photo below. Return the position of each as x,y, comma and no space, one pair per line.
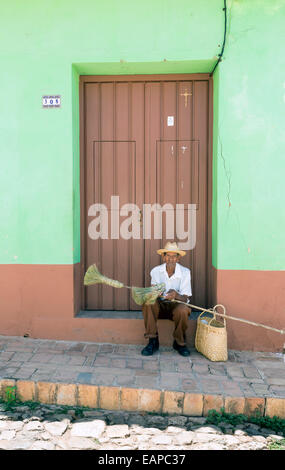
85,79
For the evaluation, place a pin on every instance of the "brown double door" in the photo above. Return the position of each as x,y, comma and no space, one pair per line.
145,143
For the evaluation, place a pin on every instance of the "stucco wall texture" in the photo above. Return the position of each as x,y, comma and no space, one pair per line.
46,46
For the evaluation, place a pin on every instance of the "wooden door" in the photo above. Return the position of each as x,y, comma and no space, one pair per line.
146,142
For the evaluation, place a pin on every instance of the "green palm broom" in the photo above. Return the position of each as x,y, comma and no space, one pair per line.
141,295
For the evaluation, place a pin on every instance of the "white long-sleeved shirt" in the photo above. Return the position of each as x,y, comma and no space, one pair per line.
180,281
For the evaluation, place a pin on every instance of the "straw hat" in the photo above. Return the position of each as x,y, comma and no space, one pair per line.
172,247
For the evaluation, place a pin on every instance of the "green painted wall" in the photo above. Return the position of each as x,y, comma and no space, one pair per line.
249,139
46,45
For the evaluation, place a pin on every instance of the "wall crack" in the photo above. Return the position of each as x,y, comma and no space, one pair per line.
227,173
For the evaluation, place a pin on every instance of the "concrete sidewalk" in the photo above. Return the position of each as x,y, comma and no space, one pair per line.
113,376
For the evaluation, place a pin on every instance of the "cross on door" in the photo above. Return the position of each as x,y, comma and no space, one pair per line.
185,94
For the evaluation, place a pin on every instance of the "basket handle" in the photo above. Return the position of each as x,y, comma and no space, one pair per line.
217,313
201,314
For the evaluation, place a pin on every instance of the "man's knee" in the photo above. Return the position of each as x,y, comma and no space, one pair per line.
154,306
182,311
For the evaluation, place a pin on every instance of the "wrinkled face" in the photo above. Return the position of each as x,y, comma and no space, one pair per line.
171,259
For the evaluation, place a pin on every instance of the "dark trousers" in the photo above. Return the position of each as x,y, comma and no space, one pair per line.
170,310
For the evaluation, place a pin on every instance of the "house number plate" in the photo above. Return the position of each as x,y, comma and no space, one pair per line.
53,101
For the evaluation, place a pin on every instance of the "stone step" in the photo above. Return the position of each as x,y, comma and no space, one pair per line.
127,327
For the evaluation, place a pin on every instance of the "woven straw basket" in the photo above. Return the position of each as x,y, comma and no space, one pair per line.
211,337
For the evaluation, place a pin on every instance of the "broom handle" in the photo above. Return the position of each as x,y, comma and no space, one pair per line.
232,318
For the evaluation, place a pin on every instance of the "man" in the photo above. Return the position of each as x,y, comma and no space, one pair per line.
177,280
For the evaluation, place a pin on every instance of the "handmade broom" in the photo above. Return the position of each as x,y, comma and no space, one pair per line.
141,295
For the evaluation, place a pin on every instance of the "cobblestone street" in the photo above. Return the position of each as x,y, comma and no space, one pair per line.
52,427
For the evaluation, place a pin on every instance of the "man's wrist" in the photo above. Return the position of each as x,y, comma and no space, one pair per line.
183,298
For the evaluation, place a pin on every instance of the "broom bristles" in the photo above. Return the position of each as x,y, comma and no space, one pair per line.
93,276
147,295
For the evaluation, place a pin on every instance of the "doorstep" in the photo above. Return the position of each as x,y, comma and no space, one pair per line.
129,314
128,326
118,377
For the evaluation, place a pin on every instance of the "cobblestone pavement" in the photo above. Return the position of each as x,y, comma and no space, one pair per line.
254,374
53,427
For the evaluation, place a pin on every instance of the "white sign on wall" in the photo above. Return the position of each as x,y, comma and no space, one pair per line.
51,101
170,120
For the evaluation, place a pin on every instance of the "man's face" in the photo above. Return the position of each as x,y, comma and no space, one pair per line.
171,259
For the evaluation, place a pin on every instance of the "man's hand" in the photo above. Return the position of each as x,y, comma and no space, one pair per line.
171,294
